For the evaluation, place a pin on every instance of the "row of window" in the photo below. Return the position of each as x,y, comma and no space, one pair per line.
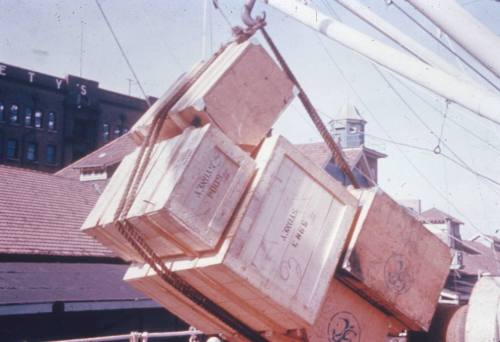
118,131
31,118
31,152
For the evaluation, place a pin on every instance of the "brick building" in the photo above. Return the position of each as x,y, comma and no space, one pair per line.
47,122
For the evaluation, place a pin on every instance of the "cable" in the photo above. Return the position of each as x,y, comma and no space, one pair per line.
415,114
223,15
166,46
124,55
444,45
424,149
377,122
449,118
437,149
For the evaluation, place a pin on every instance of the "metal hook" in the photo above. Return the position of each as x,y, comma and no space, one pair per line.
246,14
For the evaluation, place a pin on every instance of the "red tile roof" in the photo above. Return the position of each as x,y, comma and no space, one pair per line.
40,214
486,261
320,154
108,155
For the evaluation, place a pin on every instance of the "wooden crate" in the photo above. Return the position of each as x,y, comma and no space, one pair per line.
346,316
243,92
183,205
395,261
275,265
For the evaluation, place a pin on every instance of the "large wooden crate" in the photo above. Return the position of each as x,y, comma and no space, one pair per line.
243,92
395,261
346,316
185,200
275,265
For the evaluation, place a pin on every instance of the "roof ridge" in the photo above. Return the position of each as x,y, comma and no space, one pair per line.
70,166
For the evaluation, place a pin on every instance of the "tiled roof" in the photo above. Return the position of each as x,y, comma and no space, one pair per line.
108,155
40,214
42,282
435,215
485,261
320,154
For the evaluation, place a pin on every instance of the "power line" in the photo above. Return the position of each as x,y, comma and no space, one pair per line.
422,27
168,49
124,55
374,117
449,118
424,149
460,162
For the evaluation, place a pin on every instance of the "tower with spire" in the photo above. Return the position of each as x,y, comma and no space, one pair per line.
348,129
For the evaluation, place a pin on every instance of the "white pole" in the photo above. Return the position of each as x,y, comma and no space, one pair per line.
464,29
478,100
399,37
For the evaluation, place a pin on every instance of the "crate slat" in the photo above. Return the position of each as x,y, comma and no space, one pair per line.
278,258
345,316
184,203
395,261
243,92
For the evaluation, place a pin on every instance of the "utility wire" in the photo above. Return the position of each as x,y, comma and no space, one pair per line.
422,27
384,130
124,55
424,149
415,114
411,90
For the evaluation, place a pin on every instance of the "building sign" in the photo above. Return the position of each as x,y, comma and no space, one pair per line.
54,83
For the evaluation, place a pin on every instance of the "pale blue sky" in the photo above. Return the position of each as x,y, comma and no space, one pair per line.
164,38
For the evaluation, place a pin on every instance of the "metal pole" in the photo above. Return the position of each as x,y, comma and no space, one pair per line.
127,336
464,29
480,101
393,33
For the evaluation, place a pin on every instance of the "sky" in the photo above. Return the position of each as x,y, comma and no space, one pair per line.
163,39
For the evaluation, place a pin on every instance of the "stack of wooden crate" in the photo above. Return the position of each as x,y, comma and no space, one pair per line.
242,91
277,260
263,237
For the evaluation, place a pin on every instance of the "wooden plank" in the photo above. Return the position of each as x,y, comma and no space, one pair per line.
291,231
143,279
243,92
275,264
184,203
345,316
395,261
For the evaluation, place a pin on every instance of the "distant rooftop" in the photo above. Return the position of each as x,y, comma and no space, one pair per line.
435,215
40,214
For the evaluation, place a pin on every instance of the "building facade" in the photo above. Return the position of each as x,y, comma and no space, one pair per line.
48,122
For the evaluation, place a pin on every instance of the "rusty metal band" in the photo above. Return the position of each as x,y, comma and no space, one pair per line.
313,114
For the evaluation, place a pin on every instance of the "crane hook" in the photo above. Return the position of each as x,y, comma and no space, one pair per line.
246,15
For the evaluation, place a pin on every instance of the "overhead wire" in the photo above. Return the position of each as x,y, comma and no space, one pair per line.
384,130
431,131
167,48
430,105
447,48
123,53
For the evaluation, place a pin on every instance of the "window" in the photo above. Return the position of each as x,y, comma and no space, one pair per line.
14,110
125,130
105,132
118,131
353,129
38,119
32,152
50,154
12,149
1,111
28,116
51,121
